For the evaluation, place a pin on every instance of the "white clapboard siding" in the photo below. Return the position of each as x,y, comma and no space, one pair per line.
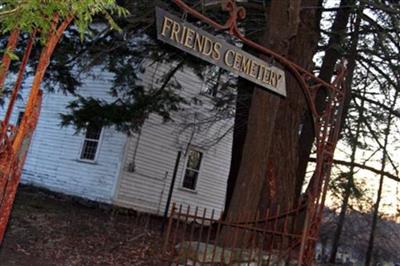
53,158
154,154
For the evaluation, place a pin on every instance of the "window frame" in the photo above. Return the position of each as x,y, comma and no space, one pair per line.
185,167
99,141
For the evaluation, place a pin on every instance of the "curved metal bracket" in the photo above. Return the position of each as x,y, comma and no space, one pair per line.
303,76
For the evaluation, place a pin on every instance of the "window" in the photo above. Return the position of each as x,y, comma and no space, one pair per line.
91,143
192,169
19,119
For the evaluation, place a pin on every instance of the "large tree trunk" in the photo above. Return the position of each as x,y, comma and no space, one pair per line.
281,184
243,102
283,23
273,123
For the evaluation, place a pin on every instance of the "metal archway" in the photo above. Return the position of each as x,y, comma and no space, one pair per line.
326,129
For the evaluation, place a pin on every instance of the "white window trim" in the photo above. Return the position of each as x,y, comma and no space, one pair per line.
185,167
100,140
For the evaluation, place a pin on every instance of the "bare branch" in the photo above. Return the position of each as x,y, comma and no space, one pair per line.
365,167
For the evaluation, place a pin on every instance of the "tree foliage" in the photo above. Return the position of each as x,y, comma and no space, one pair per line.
28,15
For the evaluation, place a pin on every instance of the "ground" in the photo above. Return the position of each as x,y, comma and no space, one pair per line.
51,229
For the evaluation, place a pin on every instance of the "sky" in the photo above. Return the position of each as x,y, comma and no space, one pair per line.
391,190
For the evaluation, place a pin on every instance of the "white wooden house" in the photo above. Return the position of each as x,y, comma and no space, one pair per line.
134,172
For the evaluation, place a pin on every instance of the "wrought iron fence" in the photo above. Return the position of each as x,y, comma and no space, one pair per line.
198,237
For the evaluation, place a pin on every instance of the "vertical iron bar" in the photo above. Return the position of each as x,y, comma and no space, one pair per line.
201,232
169,228
304,238
253,236
184,232
193,223
268,236
228,223
243,217
260,255
235,239
285,237
280,235
274,231
216,240
208,235
178,219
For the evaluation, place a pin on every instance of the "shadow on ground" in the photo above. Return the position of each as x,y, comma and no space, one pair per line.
52,229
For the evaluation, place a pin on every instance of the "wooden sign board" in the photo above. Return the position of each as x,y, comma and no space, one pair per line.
195,41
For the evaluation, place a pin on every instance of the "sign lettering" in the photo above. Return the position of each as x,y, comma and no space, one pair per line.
217,51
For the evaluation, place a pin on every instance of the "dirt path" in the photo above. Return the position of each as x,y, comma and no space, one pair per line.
49,229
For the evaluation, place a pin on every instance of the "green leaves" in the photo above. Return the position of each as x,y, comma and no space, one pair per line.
10,54
30,14
85,10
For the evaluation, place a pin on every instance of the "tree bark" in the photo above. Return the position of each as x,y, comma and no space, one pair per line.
243,102
20,143
44,60
17,86
268,169
5,65
283,157
283,22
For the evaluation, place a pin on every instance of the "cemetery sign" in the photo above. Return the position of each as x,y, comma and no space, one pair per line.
217,51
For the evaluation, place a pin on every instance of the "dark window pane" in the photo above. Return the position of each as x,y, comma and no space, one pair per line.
20,116
89,150
194,160
190,179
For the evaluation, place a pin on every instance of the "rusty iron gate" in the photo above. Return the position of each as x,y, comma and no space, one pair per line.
198,237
